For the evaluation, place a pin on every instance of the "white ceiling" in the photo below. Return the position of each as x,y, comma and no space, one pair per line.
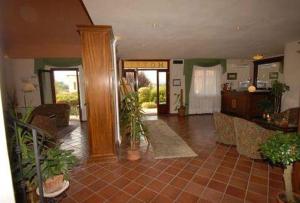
198,28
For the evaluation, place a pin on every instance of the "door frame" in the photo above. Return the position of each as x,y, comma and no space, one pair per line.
167,109
52,80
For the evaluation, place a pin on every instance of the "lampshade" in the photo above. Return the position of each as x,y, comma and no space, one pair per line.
258,56
251,88
28,87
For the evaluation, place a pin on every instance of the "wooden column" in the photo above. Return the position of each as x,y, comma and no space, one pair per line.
96,44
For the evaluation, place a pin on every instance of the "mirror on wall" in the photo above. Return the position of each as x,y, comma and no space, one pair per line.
266,71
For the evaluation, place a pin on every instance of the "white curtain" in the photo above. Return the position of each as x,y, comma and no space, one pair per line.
205,91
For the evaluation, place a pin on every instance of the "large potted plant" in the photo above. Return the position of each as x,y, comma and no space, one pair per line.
179,104
277,91
284,149
132,121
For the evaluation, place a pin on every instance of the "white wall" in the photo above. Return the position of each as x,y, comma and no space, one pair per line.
291,73
176,72
242,67
7,192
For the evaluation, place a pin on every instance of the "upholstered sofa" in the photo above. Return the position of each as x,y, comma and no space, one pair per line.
249,137
50,117
224,128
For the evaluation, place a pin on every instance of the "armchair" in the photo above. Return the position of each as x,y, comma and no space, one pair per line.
224,128
249,136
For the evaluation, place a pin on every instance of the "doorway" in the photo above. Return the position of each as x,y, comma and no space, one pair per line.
61,86
150,80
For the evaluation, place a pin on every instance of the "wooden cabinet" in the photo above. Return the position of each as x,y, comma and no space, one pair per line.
243,104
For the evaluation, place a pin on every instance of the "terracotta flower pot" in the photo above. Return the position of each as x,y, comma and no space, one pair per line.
133,155
281,198
53,184
181,111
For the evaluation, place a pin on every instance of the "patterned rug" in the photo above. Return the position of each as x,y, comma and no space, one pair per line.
165,142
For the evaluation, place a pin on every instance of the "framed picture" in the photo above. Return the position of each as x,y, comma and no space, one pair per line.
176,82
273,75
231,76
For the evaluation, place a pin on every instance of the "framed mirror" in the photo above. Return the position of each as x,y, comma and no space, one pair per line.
266,71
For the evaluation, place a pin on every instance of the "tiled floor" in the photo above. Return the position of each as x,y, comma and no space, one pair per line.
218,174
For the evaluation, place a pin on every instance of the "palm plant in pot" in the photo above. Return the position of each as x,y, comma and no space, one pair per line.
179,104
132,121
277,91
284,149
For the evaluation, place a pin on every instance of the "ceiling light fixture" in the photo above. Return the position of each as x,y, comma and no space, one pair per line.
258,56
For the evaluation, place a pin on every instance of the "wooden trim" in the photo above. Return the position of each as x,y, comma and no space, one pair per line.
86,11
156,69
279,59
78,92
53,87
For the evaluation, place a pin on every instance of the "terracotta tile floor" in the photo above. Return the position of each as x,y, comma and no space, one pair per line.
218,174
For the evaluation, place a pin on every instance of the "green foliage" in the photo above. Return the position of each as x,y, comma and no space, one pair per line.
57,162
149,94
66,97
144,94
69,98
149,105
153,95
131,117
282,148
162,93
279,88
61,87
266,105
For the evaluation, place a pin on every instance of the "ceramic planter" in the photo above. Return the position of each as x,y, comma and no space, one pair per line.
53,184
181,111
133,154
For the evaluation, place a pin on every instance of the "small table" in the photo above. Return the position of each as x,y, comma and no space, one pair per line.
272,126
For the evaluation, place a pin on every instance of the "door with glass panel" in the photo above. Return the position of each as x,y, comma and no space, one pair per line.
162,92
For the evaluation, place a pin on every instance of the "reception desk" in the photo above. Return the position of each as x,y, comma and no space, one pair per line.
243,104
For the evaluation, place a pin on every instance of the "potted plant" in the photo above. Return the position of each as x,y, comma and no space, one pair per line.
179,104
284,149
266,106
277,91
55,168
132,121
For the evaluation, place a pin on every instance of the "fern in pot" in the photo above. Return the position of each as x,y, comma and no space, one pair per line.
132,115
284,149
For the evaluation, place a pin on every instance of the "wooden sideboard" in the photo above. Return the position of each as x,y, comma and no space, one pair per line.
243,103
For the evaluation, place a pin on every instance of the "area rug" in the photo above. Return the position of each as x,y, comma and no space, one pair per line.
165,142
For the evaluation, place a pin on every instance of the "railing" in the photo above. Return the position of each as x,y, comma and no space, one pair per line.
35,132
